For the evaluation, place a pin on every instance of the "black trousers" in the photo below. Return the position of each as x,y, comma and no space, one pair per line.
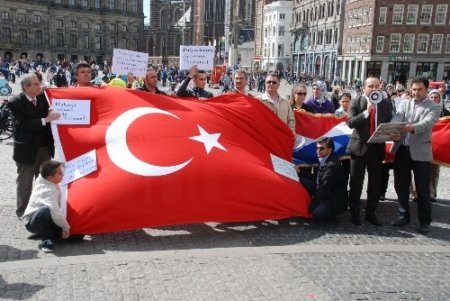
41,223
403,165
372,160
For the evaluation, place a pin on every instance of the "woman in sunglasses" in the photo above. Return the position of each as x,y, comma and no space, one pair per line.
298,96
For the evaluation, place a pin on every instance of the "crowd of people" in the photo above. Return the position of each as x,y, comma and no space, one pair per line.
335,185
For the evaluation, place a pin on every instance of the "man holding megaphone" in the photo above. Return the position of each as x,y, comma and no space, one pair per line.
366,112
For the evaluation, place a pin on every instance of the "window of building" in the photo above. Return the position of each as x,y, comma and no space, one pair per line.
408,43
425,17
4,15
6,35
59,40
84,3
37,19
124,5
380,44
436,43
281,31
98,43
72,2
382,17
85,25
22,17
411,14
125,43
134,6
38,38
98,26
135,29
23,38
422,43
112,4
395,42
59,23
73,41
282,16
365,17
86,44
441,14
58,1
280,50
397,14
124,28
73,24
112,27
97,4
447,44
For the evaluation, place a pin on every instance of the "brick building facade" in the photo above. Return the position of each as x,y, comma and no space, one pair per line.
74,29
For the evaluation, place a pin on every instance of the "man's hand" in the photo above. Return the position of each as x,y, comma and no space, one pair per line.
65,234
193,71
409,128
52,115
396,137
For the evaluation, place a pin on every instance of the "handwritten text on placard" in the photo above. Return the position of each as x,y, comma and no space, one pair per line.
202,56
72,111
284,167
80,167
125,61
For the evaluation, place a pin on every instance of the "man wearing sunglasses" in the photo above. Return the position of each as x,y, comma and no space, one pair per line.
330,198
276,103
197,90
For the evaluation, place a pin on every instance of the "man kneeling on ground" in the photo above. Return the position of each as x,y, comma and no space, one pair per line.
330,196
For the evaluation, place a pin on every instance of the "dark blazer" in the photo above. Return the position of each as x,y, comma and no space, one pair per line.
29,133
184,91
361,125
332,186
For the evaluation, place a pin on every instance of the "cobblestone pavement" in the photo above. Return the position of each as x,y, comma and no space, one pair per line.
267,260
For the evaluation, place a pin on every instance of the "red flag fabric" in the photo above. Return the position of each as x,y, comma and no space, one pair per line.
164,161
441,141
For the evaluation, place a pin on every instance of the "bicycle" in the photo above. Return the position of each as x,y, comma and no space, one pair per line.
6,129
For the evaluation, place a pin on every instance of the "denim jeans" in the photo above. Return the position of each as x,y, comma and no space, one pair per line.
41,223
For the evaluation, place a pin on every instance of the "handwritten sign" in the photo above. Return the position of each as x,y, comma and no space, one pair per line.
125,61
80,167
284,167
202,56
72,111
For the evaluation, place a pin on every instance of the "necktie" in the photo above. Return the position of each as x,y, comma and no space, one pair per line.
372,114
34,101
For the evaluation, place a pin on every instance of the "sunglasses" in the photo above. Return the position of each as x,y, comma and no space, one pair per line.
320,148
301,93
271,82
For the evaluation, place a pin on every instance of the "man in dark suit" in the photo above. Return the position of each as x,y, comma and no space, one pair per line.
413,152
330,198
33,140
364,117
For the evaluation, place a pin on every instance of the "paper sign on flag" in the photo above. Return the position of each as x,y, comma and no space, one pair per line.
125,61
202,56
80,167
284,167
72,111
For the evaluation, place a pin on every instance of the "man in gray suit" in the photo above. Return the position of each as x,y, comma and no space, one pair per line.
413,152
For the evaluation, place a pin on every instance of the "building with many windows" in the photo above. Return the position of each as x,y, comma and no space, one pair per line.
396,40
317,37
74,29
277,38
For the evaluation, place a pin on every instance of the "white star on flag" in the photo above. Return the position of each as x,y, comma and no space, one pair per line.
209,140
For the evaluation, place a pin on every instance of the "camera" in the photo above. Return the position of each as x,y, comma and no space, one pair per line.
376,97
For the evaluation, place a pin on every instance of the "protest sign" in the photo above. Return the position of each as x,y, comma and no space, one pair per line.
125,61
202,56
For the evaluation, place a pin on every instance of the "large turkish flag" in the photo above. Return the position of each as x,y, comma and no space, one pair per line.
164,161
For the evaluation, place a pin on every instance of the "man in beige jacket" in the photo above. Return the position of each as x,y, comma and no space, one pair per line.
276,103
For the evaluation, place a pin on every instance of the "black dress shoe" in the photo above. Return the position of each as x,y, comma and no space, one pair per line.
433,200
356,220
372,218
400,222
423,229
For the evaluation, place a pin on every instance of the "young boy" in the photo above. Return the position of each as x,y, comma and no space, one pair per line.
43,215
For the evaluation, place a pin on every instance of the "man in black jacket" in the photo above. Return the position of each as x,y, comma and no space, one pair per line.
330,198
33,140
198,78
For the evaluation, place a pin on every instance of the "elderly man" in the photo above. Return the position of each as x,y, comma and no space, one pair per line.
198,78
33,140
276,103
318,102
151,82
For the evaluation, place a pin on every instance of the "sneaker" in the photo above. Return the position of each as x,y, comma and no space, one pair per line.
46,246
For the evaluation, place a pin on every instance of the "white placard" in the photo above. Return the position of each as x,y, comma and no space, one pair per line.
125,61
284,167
72,111
202,56
80,167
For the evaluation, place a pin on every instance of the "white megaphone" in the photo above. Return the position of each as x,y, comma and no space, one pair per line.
376,97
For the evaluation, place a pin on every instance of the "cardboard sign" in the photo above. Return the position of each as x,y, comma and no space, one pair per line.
72,111
125,61
202,56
